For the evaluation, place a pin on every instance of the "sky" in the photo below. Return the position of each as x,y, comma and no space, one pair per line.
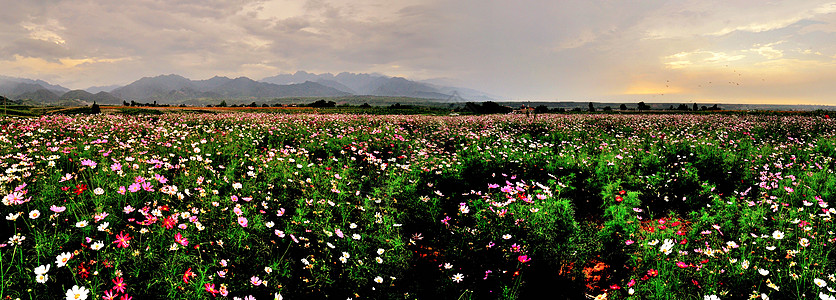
730,51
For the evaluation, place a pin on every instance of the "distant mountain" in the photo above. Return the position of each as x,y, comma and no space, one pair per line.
379,85
151,87
167,89
100,97
57,89
103,88
43,96
339,86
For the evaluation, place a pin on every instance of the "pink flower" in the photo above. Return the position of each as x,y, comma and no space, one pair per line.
116,167
108,295
242,221
255,280
134,187
681,264
210,287
119,285
181,240
125,297
339,232
122,240
629,242
57,209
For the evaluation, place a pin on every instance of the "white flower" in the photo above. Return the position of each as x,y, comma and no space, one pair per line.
744,264
355,236
13,216
42,269
712,297
352,226
653,242
458,277
268,270
763,272
62,259
777,234
820,282
378,279
804,242
380,251
448,266
378,260
343,259
824,296
506,236
667,247
41,278
237,186
98,191
269,224
81,224
34,214
103,226
346,255
96,246
77,293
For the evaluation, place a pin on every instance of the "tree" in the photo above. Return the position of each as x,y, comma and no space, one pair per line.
591,107
695,108
365,105
95,109
643,106
623,106
222,104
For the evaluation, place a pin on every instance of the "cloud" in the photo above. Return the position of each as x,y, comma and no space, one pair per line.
524,49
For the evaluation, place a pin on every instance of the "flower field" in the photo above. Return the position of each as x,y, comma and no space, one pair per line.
304,206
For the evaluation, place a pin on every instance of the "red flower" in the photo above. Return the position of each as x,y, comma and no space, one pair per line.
652,272
188,274
169,222
618,198
80,188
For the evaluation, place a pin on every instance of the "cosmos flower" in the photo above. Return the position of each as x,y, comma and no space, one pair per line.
77,293
122,240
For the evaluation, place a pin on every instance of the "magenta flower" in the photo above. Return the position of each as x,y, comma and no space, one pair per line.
181,240
523,258
122,240
119,285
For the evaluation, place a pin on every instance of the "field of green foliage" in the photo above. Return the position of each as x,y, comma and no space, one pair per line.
303,206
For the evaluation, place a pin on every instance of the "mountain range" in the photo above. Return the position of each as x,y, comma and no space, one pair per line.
176,89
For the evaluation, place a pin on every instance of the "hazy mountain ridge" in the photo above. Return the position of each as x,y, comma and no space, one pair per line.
380,85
